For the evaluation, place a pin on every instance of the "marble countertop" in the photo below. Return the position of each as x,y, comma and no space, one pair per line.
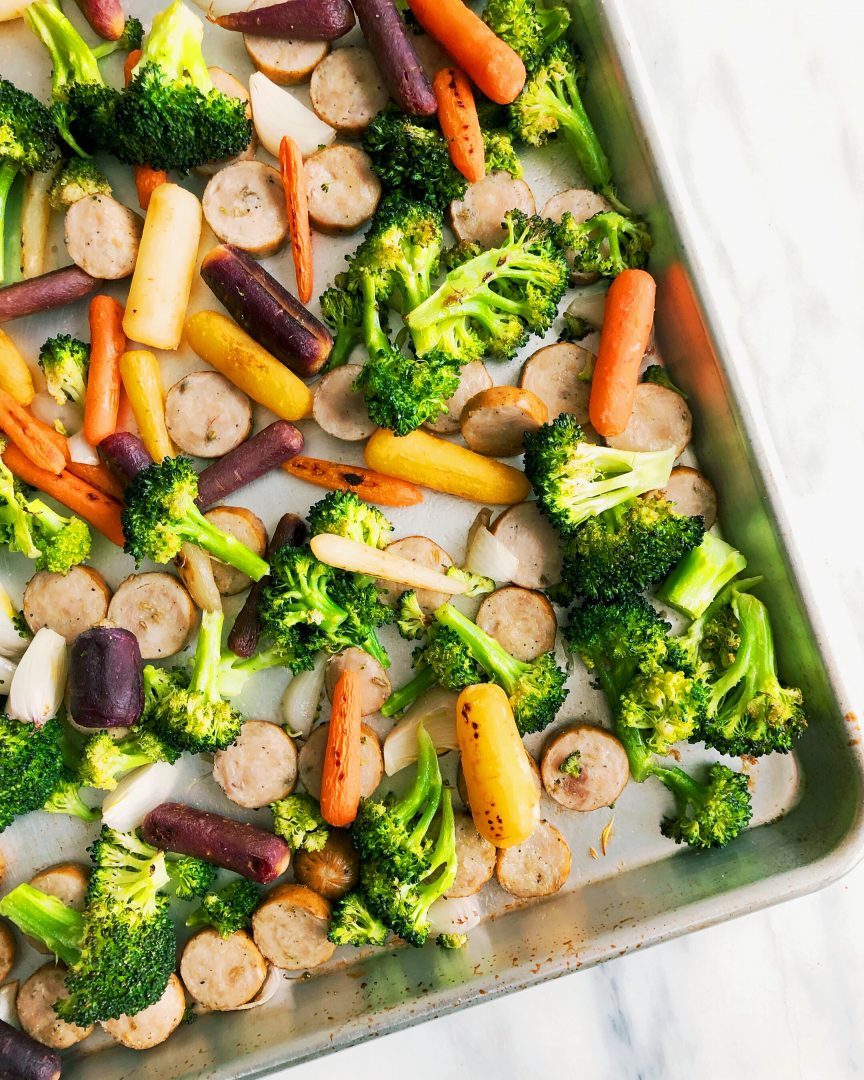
762,105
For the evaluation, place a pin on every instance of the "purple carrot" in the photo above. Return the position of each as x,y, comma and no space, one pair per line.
125,454
50,290
302,20
105,684
390,44
25,1059
278,442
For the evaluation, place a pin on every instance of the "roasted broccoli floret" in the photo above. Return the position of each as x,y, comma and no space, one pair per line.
659,376
444,661
607,243
500,154
130,40
711,641
228,910
490,304
64,361
535,689
572,764
667,705
529,28
342,310
31,766
66,799
78,178
451,941
171,116
477,584
352,923
411,620
160,515
411,157
345,514
297,819
701,575
104,761
710,814
575,480
190,877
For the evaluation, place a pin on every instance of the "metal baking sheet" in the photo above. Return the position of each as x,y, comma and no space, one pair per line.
808,806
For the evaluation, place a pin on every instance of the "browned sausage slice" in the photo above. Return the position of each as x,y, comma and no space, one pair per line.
222,973
343,189
555,374
478,215
583,204
495,421
225,82
661,420
475,858
244,205
311,761
206,415
339,409
374,685
157,609
334,870
346,90
7,952
531,538
102,236
35,1004
422,550
259,768
537,867
521,620
152,1025
246,527
472,379
290,928
69,604
284,60
692,494
595,777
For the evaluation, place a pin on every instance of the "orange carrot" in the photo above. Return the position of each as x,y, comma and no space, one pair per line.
457,115
30,435
107,345
100,510
294,181
340,778
627,322
371,486
488,61
146,179
97,476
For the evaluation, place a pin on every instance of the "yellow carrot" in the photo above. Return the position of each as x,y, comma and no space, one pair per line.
139,371
15,377
221,342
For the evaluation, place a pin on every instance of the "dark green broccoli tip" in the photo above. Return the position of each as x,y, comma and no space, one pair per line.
607,243
344,514
411,620
352,923
31,766
64,361
451,941
190,877
709,814
402,393
575,480
297,819
412,158
66,799
701,575
228,910
529,28
342,311
659,376
572,764
450,658
78,178
500,153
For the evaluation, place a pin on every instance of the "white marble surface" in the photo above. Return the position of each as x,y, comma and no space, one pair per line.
763,106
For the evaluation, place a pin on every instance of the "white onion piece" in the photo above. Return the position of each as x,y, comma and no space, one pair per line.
137,794
588,306
454,915
80,451
301,701
12,644
39,683
8,1009
486,555
437,711
7,670
46,409
275,978
277,112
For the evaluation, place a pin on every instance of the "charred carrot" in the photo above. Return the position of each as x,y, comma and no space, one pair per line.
30,435
371,486
107,345
294,181
457,115
97,476
340,778
146,179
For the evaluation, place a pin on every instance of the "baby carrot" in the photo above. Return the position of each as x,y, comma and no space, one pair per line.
371,486
97,476
30,435
457,115
139,370
146,179
294,180
107,345
340,778
15,377
627,321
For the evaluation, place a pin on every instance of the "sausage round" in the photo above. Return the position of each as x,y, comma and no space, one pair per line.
244,205
475,858
339,409
374,685
69,604
495,421
206,415
531,538
661,420
246,527
158,610
346,89
692,494
35,1004
7,952
521,620
343,188
604,770
478,215
102,236
284,60
68,882
259,768
222,973
553,374
290,928
152,1025
225,82
472,379
334,870
583,204
537,867
311,761
422,550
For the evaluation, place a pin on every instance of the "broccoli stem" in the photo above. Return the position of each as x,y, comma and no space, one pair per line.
66,799
426,778
208,654
443,856
198,529
579,132
687,791
701,575
8,172
235,673
495,660
174,44
406,695
47,919
373,334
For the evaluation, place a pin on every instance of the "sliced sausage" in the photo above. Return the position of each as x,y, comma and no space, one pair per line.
462,788
521,620
152,1025
534,542
311,761
583,204
207,415
35,1004
661,420
69,604
339,409
290,928
222,973
374,685
422,550
7,952
225,82
472,379
495,421
102,236
158,610
246,527
343,188
478,215
259,768
603,770
244,205
475,858
537,867
692,494
284,60
346,90
334,870
555,374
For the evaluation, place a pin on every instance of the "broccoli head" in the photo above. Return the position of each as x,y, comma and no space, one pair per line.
345,514
297,819
66,799
445,661
352,923
572,764
228,910
78,178
411,620
342,310
411,157
104,761
528,27
130,40
667,705
31,766
451,941
710,814
500,154
659,376
402,393
190,877
607,243
64,361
